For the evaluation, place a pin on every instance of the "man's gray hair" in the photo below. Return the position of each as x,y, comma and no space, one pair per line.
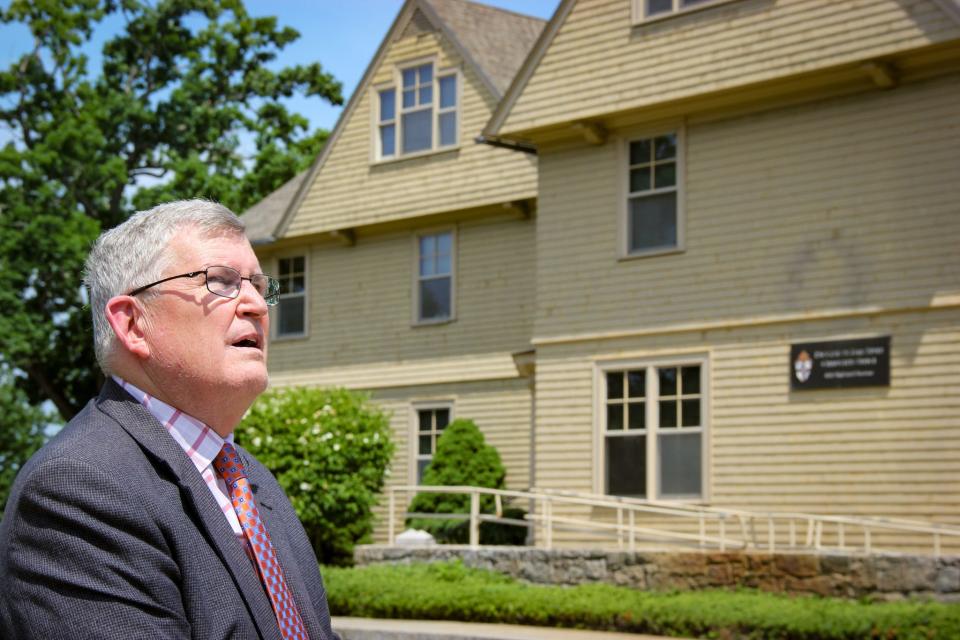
133,254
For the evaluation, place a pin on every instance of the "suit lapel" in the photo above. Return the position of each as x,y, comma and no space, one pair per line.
157,443
277,529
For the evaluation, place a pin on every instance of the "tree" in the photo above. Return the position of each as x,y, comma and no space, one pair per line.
21,433
180,87
463,458
329,449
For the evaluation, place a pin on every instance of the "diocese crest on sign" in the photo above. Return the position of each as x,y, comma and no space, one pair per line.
803,366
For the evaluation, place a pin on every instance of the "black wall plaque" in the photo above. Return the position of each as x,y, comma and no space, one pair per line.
840,363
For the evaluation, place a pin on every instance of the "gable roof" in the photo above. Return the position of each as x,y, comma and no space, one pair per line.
494,42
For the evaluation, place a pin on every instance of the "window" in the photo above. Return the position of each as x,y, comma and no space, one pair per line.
649,9
430,425
427,112
291,317
653,430
653,220
434,301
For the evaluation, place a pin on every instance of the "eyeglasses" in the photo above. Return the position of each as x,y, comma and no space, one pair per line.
226,282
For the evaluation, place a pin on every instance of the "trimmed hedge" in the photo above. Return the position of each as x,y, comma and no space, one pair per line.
450,591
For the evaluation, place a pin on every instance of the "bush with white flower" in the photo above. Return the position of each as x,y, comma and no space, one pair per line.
329,449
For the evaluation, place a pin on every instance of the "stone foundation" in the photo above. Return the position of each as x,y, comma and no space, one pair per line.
881,577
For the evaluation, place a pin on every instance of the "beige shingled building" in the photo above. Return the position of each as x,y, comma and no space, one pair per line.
731,268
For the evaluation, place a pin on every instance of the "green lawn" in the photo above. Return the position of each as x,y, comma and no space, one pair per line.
450,591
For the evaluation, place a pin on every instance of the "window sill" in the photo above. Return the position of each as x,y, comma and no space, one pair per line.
651,253
290,337
639,21
432,323
413,156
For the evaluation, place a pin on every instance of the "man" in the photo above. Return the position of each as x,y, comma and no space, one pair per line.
141,519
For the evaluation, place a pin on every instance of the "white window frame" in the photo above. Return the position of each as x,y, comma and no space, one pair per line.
652,422
415,316
275,319
414,455
397,86
623,170
640,10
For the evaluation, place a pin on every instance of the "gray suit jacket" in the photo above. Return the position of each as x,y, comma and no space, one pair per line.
110,532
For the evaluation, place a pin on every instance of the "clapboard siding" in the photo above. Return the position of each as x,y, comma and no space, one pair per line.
361,301
351,190
501,409
848,203
616,67
887,451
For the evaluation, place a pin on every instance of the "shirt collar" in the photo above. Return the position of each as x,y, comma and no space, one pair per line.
198,440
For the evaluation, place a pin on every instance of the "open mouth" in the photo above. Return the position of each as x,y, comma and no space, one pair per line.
247,343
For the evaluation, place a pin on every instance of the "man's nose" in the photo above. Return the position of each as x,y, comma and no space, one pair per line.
251,303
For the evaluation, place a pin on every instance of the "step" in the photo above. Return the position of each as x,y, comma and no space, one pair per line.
379,629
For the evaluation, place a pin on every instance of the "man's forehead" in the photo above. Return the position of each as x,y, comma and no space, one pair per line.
192,248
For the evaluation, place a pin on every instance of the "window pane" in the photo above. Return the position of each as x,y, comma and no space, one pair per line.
615,384
417,131
290,316
653,221
443,264
425,448
666,175
409,98
284,266
640,152
388,140
285,282
299,263
637,384
691,413
428,246
426,95
409,77
443,418
640,179
435,299
614,417
388,104
448,91
668,381
668,414
444,243
426,266
448,129
636,414
680,470
298,284
659,6
421,466
426,73
691,379
627,466
665,147
424,419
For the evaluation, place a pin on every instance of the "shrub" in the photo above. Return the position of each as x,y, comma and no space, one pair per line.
21,434
329,449
450,591
464,458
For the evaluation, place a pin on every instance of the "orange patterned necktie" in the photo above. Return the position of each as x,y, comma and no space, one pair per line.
230,468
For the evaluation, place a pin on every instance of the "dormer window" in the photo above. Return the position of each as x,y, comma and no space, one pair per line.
655,9
419,113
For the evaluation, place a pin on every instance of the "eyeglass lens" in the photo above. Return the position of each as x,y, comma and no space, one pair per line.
226,282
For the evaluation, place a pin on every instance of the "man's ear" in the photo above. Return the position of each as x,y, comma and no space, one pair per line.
125,315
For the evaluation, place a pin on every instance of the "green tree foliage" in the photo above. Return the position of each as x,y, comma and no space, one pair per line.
464,458
21,433
329,449
180,86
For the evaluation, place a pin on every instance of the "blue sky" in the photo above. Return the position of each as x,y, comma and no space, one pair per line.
341,34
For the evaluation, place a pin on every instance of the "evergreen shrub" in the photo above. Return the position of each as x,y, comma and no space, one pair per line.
464,458
329,449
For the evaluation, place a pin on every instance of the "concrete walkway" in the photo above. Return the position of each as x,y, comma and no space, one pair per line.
377,629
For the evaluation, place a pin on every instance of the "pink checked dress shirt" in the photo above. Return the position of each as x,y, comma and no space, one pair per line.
200,443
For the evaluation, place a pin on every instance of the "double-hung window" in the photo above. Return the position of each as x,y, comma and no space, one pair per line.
434,288
653,430
430,423
653,221
419,114
291,318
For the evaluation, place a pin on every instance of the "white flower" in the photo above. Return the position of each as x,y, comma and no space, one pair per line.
257,441
336,446
305,486
306,462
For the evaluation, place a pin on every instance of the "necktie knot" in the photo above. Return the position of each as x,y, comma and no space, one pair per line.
228,465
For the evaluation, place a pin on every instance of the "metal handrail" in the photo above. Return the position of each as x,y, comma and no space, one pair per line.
628,509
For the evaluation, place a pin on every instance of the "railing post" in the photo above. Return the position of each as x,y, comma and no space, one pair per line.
703,531
819,540
633,534
548,523
793,533
620,528
474,519
771,535
841,541
391,526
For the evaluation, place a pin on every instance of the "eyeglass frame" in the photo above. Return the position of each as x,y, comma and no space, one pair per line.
272,299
